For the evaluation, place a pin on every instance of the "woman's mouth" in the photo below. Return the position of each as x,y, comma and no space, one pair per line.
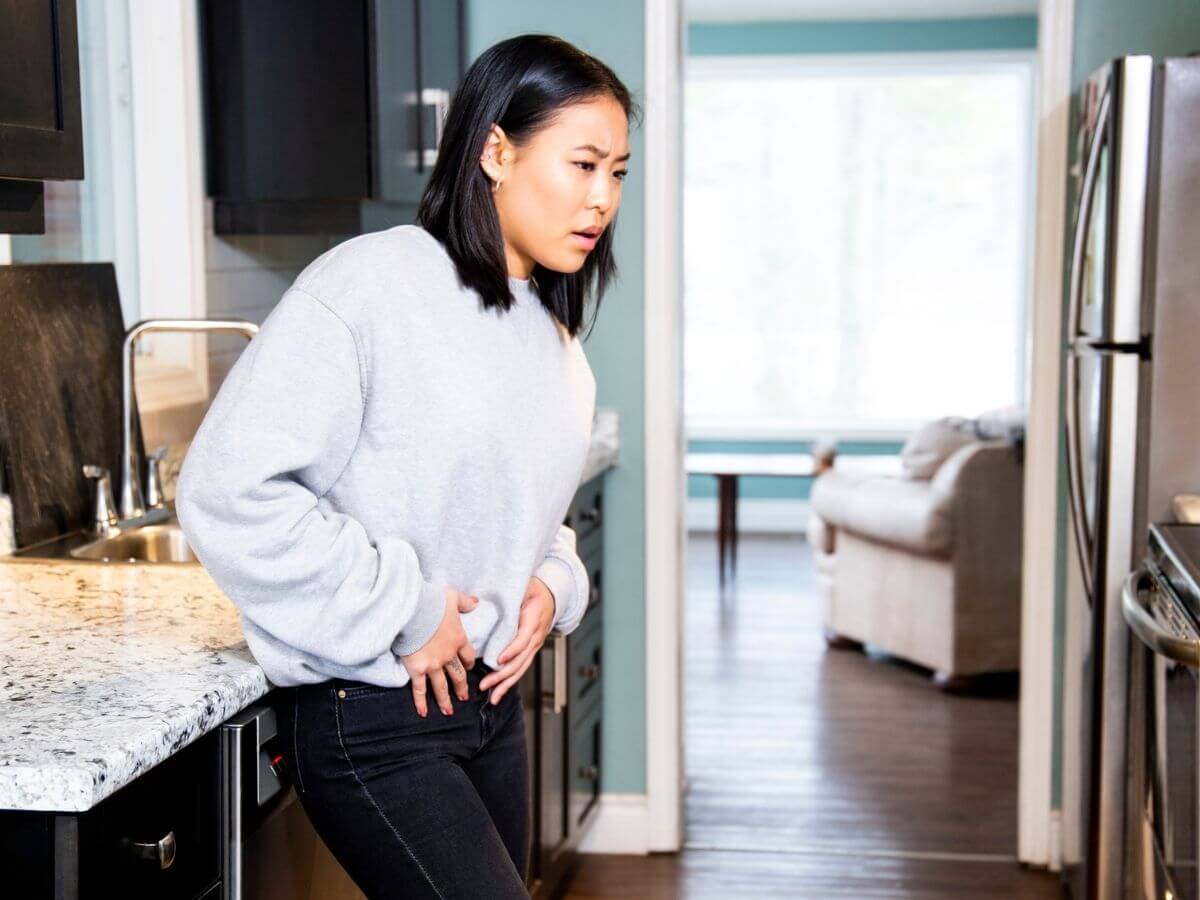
584,239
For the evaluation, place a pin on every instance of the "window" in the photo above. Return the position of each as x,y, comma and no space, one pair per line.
856,241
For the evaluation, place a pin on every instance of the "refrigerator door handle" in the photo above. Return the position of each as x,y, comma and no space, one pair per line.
1136,609
1075,476
1074,453
1084,218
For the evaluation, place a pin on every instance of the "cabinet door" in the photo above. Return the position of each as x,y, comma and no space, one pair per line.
286,102
584,766
159,836
395,108
441,64
41,134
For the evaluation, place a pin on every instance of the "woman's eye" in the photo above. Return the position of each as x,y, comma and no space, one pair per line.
591,165
622,174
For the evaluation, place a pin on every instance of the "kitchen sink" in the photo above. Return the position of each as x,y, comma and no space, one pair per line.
158,544
152,543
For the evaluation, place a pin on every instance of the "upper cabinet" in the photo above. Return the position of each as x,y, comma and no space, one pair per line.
325,115
41,135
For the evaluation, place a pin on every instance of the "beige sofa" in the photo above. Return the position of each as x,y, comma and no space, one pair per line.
928,570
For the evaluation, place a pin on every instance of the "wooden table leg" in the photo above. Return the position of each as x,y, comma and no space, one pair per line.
733,522
722,524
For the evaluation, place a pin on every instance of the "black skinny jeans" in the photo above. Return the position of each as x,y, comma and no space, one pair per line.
415,807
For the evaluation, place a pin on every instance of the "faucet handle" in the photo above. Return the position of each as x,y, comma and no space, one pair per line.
104,512
154,495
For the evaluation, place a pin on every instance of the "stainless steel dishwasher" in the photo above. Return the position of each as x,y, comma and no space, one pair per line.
269,849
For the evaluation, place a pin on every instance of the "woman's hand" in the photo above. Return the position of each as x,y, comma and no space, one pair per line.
537,615
442,653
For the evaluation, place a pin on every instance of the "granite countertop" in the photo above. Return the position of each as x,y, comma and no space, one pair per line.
108,669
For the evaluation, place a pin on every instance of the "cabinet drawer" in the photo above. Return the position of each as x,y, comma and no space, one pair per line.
174,807
583,771
586,512
584,654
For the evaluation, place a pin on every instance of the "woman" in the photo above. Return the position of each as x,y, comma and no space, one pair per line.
380,482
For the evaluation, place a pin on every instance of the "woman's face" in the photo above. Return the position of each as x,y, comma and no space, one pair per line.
566,180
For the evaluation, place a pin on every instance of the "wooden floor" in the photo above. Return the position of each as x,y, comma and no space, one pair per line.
815,773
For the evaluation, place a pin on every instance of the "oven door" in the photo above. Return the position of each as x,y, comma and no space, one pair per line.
1169,814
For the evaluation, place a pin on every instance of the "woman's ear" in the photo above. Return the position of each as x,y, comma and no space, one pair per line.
495,154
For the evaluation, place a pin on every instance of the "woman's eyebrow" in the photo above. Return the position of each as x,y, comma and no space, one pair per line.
600,153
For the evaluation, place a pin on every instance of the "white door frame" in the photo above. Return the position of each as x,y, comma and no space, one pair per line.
1037,820
665,442
666,481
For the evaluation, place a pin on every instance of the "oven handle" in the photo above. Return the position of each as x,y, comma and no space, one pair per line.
1137,613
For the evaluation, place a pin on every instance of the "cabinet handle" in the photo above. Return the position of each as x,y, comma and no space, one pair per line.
560,673
591,515
591,671
439,99
589,773
161,851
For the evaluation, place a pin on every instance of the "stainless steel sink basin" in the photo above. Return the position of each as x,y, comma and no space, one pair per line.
160,543
152,543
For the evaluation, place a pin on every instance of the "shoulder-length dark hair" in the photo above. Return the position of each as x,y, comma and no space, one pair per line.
520,84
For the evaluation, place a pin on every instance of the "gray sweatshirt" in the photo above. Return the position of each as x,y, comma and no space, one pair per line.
381,438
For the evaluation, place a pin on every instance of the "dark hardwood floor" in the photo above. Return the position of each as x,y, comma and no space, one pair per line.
816,773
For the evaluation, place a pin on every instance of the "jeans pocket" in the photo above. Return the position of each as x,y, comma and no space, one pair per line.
374,715
353,690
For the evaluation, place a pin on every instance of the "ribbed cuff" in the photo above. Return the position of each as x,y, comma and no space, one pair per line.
426,618
560,579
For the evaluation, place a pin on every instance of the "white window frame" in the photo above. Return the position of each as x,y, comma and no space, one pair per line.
169,158
751,67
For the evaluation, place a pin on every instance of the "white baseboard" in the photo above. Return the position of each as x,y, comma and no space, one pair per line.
1056,860
779,516
621,825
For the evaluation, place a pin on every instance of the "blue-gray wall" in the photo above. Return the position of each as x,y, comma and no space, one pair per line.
908,35
614,32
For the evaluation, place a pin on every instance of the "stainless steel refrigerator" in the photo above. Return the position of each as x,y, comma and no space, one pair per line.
1132,415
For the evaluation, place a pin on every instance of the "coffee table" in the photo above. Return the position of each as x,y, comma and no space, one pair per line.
727,468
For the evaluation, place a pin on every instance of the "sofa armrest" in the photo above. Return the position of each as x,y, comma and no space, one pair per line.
984,482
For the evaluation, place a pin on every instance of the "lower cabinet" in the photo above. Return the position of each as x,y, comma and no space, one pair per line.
157,837
563,702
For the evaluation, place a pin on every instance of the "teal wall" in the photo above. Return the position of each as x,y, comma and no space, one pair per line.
1105,29
902,35
614,32
1108,28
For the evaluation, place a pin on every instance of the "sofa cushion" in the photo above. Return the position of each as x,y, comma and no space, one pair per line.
930,445
903,512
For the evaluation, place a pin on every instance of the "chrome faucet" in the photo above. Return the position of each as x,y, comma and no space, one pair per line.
132,504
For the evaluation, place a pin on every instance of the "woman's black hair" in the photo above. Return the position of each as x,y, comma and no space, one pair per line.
520,84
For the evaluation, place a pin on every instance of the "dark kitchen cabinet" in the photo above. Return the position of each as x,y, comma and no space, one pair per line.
563,702
325,115
41,133
158,837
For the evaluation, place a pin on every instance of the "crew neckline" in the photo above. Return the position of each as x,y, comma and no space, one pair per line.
522,289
